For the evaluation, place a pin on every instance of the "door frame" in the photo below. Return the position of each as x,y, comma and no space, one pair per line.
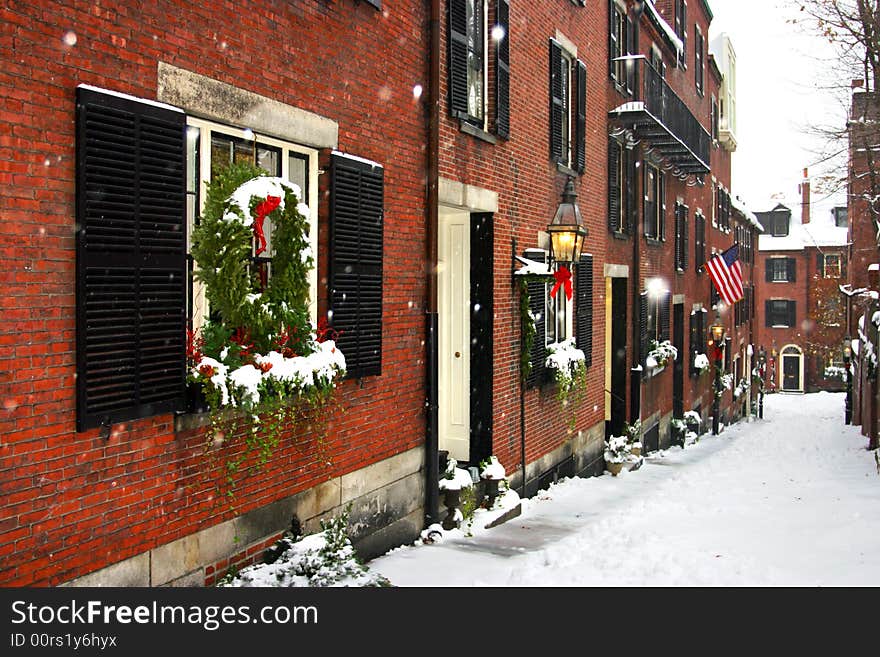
796,353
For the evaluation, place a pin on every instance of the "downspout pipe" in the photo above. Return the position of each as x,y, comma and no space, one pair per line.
432,444
635,388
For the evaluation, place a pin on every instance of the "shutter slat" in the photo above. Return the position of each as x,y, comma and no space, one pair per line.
584,308
580,144
356,253
458,55
614,199
502,71
537,305
130,209
557,105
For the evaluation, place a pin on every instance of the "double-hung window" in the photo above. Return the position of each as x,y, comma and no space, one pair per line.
781,270
830,265
620,35
568,103
210,148
699,68
468,56
780,313
654,202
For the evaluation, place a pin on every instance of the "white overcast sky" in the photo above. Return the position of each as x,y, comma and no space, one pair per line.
781,72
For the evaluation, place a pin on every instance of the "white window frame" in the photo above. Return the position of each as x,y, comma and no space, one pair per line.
200,307
828,257
484,80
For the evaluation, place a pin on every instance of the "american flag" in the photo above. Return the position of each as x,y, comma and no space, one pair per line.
726,275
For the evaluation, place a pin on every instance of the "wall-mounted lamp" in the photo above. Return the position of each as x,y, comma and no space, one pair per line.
567,230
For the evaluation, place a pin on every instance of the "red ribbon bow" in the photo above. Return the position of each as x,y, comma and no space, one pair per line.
563,277
263,208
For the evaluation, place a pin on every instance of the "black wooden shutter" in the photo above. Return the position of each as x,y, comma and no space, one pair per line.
648,207
661,203
699,241
684,240
820,265
614,200
557,103
643,329
631,185
663,312
502,71
694,343
768,270
843,265
356,238
768,311
580,126
792,313
537,305
131,259
584,308
679,261
792,269
458,56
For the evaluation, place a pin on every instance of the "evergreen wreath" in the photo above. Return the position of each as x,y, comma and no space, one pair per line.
258,344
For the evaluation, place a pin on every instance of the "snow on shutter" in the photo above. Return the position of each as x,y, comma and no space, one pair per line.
648,207
584,308
580,126
131,259
557,103
356,239
502,71
537,305
458,59
684,239
614,200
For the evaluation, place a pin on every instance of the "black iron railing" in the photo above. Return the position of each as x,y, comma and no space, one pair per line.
671,112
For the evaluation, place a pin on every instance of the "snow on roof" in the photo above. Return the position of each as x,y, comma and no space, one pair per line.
666,27
740,207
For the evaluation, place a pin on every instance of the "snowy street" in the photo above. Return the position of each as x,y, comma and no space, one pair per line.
790,500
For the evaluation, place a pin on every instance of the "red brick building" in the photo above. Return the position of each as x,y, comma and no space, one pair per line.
862,286
120,484
801,312
431,157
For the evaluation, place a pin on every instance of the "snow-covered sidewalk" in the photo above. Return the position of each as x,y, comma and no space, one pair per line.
790,500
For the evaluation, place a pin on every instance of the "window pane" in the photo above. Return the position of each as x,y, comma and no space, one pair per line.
298,173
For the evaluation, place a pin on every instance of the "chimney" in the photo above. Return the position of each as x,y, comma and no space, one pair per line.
805,198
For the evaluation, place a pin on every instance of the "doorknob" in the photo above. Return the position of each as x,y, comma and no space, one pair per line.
458,354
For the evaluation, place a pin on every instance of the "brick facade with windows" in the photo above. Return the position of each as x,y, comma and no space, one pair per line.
416,271
141,495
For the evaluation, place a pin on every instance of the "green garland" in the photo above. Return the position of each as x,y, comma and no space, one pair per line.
253,331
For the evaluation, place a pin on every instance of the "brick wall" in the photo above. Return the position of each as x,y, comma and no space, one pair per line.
74,502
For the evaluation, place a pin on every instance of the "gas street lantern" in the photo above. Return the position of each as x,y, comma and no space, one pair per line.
567,230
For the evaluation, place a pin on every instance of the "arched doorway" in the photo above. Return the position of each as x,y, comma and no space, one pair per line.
791,371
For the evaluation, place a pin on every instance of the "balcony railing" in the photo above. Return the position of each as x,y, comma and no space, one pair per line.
657,115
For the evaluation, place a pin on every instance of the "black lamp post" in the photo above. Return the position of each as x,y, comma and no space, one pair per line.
567,230
716,341
847,359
